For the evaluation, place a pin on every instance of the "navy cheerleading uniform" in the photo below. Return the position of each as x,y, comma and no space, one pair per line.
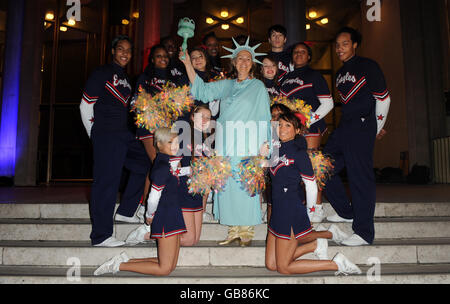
168,218
289,214
284,63
365,104
152,85
309,85
106,116
191,202
272,86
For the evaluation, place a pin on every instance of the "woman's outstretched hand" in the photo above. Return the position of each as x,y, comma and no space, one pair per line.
187,58
188,64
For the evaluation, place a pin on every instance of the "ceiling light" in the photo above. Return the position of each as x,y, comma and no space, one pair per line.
225,26
63,28
125,21
312,14
224,13
209,20
71,22
49,16
308,26
324,21
240,20
136,15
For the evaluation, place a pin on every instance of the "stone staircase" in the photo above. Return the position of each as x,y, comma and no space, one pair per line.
49,243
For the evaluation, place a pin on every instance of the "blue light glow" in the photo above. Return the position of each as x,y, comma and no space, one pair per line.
11,88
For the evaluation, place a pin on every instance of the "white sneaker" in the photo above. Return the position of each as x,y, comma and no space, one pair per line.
318,215
337,219
137,236
345,266
338,235
321,228
112,265
133,220
354,240
110,242
321,250
140,213
207,217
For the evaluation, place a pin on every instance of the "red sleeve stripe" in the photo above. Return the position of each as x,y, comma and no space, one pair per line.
177,158
324,96
88,99
145,137
310,178
382,96
158,188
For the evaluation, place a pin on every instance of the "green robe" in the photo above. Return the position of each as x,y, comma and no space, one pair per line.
243,127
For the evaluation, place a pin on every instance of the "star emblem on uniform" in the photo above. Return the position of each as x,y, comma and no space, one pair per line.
313,209
380,117
92,120
177,172
316,117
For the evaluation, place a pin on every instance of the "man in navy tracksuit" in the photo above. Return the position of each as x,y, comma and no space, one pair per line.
105,114
365,105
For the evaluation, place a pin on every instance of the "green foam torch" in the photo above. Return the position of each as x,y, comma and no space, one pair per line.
186,28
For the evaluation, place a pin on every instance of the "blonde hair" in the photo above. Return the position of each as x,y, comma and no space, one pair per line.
162,136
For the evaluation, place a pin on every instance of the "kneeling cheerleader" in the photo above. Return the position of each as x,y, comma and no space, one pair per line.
163,211
290,233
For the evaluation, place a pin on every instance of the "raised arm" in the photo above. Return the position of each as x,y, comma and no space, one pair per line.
205,92
188,65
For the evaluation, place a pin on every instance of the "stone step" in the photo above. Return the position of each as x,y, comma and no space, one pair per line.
79,229
389,274
208,253
61,210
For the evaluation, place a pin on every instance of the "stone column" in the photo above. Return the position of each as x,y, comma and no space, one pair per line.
30,97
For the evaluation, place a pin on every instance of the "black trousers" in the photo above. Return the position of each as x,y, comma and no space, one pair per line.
112,152
351,146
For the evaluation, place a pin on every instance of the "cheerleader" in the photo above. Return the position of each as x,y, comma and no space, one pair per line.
104,112
212,46
207,73
289,225
309,85
269,71
164,213
365,107
193,205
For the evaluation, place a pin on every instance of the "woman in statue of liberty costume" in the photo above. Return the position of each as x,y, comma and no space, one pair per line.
243,129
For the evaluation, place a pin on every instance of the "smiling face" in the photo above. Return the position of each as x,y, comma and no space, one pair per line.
202,119
300,56
122,53
160,59
269,69
212,46
286,130
171,147
345,47
170,47
198,61
243,64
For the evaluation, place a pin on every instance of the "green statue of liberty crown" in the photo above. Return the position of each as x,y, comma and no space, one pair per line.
244,47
